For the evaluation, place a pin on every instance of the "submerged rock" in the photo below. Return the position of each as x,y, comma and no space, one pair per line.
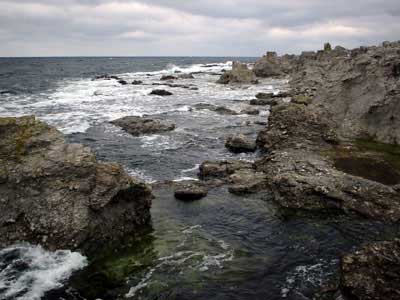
222,110
264,102
186,76
58,195
250,111
239,74
160,93
373,272
190,190
168,77
240,144
137,82
138,125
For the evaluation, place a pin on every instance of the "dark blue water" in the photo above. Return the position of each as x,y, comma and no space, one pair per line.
221,247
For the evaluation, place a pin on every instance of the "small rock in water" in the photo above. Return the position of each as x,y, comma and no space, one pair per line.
240,144
122,82
250,111
263,102
138,125
137,82
186,76
160,93
168,77
191,190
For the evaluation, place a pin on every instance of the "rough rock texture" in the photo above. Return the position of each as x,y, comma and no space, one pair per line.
301,177
58,194
190,190
361,88
240,144
138,125
240,74
373,272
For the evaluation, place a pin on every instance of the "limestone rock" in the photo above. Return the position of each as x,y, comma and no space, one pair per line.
58,195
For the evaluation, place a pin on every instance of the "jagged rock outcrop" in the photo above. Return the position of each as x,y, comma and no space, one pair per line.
58,195
138,125
361,88
240,74
272,65
373,272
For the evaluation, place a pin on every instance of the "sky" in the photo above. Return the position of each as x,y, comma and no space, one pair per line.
191,28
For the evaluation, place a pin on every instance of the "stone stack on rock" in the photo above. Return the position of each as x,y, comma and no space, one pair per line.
58,195
240,74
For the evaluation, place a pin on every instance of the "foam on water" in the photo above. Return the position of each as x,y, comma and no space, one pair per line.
28,272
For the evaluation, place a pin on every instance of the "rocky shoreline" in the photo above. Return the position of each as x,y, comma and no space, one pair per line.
329,146
338,98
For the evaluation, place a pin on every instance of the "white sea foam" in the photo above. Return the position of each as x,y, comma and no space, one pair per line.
32,271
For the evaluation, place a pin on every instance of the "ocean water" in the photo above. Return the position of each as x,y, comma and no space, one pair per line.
221,247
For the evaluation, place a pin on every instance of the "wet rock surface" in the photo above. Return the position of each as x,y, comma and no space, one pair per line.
373,272
59,195
240,144
222,110
138,125
190,190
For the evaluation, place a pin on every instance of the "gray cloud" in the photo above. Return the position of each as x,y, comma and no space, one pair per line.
203,27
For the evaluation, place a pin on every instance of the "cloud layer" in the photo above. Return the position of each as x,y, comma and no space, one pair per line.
201,27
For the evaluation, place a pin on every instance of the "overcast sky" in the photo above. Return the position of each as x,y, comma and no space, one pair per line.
184,27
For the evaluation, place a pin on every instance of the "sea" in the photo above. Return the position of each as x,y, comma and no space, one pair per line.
221,247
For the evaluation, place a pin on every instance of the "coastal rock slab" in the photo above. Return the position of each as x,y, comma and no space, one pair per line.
138,125
58,195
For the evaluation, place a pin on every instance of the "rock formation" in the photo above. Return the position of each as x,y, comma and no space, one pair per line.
137,125
240,74
59,195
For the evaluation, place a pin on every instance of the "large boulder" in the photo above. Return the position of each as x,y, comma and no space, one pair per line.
138,126
240,74
58,195
373,272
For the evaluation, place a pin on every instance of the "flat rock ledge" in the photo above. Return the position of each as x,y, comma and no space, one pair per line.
58,195
140,126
